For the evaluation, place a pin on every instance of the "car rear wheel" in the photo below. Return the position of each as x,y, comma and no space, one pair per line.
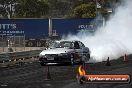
88,56
72,60
83,61
42,64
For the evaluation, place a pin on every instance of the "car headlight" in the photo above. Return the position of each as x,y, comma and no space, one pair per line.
40,55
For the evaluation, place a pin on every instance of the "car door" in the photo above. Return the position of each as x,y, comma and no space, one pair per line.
78,50
84,50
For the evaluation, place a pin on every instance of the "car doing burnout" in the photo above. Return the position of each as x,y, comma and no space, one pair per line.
65,52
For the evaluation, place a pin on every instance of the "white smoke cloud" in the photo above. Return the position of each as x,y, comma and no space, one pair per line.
112,40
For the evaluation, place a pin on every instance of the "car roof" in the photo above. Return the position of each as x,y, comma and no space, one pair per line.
68,41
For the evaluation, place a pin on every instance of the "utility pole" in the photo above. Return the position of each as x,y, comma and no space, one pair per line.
50,26
98,6
24,42
8,41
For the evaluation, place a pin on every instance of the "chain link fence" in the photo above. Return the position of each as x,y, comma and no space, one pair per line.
12,43
19,43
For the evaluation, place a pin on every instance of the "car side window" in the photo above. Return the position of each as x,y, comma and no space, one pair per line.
76,45
81,45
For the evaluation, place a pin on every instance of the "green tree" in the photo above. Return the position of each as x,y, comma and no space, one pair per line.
32,8
59,8
84,11
6,7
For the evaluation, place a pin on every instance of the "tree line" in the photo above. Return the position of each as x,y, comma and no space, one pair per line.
54,8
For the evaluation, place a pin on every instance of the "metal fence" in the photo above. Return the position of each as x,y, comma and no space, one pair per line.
12,41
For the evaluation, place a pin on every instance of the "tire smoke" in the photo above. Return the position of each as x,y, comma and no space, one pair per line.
112,40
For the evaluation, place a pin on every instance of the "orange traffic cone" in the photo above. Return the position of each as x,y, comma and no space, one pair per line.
125,59
108,62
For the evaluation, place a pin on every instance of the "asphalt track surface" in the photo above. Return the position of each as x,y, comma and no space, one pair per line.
33,75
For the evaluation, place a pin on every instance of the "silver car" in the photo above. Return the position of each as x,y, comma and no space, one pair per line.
65,53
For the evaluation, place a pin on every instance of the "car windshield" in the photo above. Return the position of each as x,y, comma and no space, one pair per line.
62,44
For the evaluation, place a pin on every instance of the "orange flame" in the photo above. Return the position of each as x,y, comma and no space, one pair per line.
81,71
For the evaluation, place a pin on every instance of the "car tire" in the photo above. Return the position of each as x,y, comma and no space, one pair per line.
72,60
88,55
83,60
42,64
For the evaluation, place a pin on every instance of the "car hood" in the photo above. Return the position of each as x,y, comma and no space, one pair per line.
56,51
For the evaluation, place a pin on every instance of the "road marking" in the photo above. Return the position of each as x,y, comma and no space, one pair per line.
48,84
3,85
